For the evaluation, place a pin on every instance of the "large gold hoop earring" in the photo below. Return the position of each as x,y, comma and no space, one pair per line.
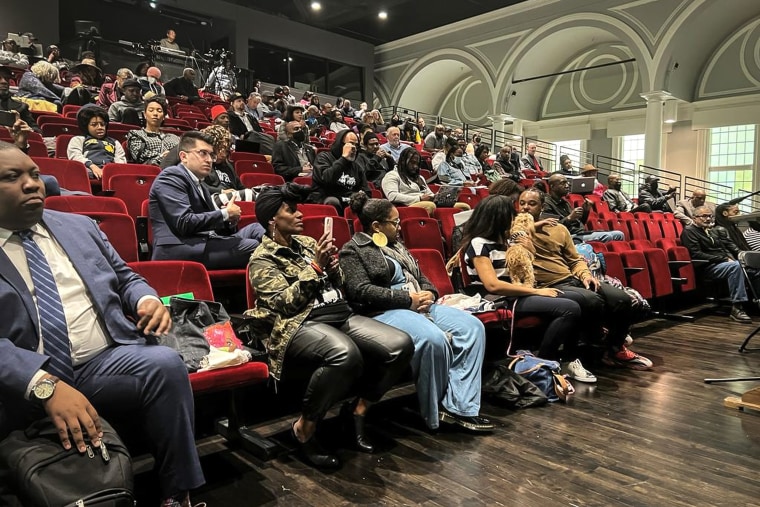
380,239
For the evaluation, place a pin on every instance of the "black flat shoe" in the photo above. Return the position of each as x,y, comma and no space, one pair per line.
475,423
313,452
355,423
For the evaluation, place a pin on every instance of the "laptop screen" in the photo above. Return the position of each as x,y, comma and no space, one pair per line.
582,185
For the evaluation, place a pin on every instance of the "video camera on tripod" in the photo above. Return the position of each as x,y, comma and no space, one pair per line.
218,56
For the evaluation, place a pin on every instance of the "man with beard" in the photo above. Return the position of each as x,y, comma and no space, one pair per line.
507,164
435,140
183,87
7,103
374,161
618,200
573,218
293,156
649,193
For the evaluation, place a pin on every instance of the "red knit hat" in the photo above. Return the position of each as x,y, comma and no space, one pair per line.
217,110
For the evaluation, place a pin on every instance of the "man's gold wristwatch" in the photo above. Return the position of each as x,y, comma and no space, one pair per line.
45,388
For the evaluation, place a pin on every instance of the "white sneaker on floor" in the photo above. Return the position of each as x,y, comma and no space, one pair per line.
576,371
628,340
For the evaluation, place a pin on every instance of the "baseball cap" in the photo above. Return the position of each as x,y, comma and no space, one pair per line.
235,96
130,82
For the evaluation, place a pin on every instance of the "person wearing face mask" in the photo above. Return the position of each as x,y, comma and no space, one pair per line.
719,260
620,201
336,174
452,170
650,193
150,82
293,156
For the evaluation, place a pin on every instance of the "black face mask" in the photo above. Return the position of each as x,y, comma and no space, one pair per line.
299,136
617,186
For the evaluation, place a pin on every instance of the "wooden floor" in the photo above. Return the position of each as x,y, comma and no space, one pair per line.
659,438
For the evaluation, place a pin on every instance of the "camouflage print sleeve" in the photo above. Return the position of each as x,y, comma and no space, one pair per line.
279,292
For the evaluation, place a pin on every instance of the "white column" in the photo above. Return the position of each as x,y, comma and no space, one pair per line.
653,127
499,137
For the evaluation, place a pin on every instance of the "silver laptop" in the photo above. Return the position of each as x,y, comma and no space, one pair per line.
582,185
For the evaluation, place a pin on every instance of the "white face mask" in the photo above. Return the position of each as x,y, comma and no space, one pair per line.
151,79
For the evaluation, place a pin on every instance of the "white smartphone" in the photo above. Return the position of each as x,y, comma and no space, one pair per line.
329,228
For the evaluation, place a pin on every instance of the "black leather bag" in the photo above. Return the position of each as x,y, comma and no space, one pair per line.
44,474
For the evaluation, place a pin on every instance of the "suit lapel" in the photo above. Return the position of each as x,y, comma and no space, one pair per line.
11,275
200,190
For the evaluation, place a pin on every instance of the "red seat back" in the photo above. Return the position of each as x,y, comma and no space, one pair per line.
109,170
71,175
317,210
639,280
253,166
133,189
405,212
434,268
236,156
422,233
176,277
86,203
62,145
314,226
120,231
258,179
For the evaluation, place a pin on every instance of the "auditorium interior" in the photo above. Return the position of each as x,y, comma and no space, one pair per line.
637,88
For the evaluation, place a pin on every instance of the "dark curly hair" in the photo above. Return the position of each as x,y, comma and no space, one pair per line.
370,210
87,113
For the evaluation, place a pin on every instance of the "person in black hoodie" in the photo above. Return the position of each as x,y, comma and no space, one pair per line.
336,175
374,161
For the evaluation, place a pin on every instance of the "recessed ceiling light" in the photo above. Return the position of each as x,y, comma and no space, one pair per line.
315,6
382,15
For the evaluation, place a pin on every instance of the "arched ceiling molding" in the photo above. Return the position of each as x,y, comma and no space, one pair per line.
423,65
527,50
665,14
572,89
714,22
741,54
381,93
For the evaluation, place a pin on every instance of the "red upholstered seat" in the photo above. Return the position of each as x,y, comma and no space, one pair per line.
257,179
109,170
314,227
133,189
229,378
71,175
422,233
120,231
317,210
85,203
253,166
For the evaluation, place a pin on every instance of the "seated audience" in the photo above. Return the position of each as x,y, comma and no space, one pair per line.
566,165
558,265
11,55
375,119
451,170
94,148
531,161
220,116
186,225
574,219
507,164
618,200
589,171
112,92
394,146
435,140
151,84
409,132
374,161
312,120
336,121
726,228
293,112
102,314
716,258
242,124
8,103
41,82
649,193
336,174
149,145
685,207
76,93
423,129
752,235
485,242
405,187
131,105
310,332
183,87
382,276
293,156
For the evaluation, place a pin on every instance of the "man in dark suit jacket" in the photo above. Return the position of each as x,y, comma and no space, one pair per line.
7,103
186,226
110,369
715,257
294,156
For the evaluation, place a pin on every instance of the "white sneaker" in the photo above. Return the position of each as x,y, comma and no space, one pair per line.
576,371
628,340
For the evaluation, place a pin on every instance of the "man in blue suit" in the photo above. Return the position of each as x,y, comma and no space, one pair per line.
186,226
61,280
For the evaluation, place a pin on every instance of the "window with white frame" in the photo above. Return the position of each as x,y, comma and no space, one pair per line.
631,152
731,157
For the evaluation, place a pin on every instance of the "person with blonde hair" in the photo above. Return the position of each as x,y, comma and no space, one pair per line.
40,82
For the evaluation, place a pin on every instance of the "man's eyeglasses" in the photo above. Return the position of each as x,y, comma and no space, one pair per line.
706,215
204,154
